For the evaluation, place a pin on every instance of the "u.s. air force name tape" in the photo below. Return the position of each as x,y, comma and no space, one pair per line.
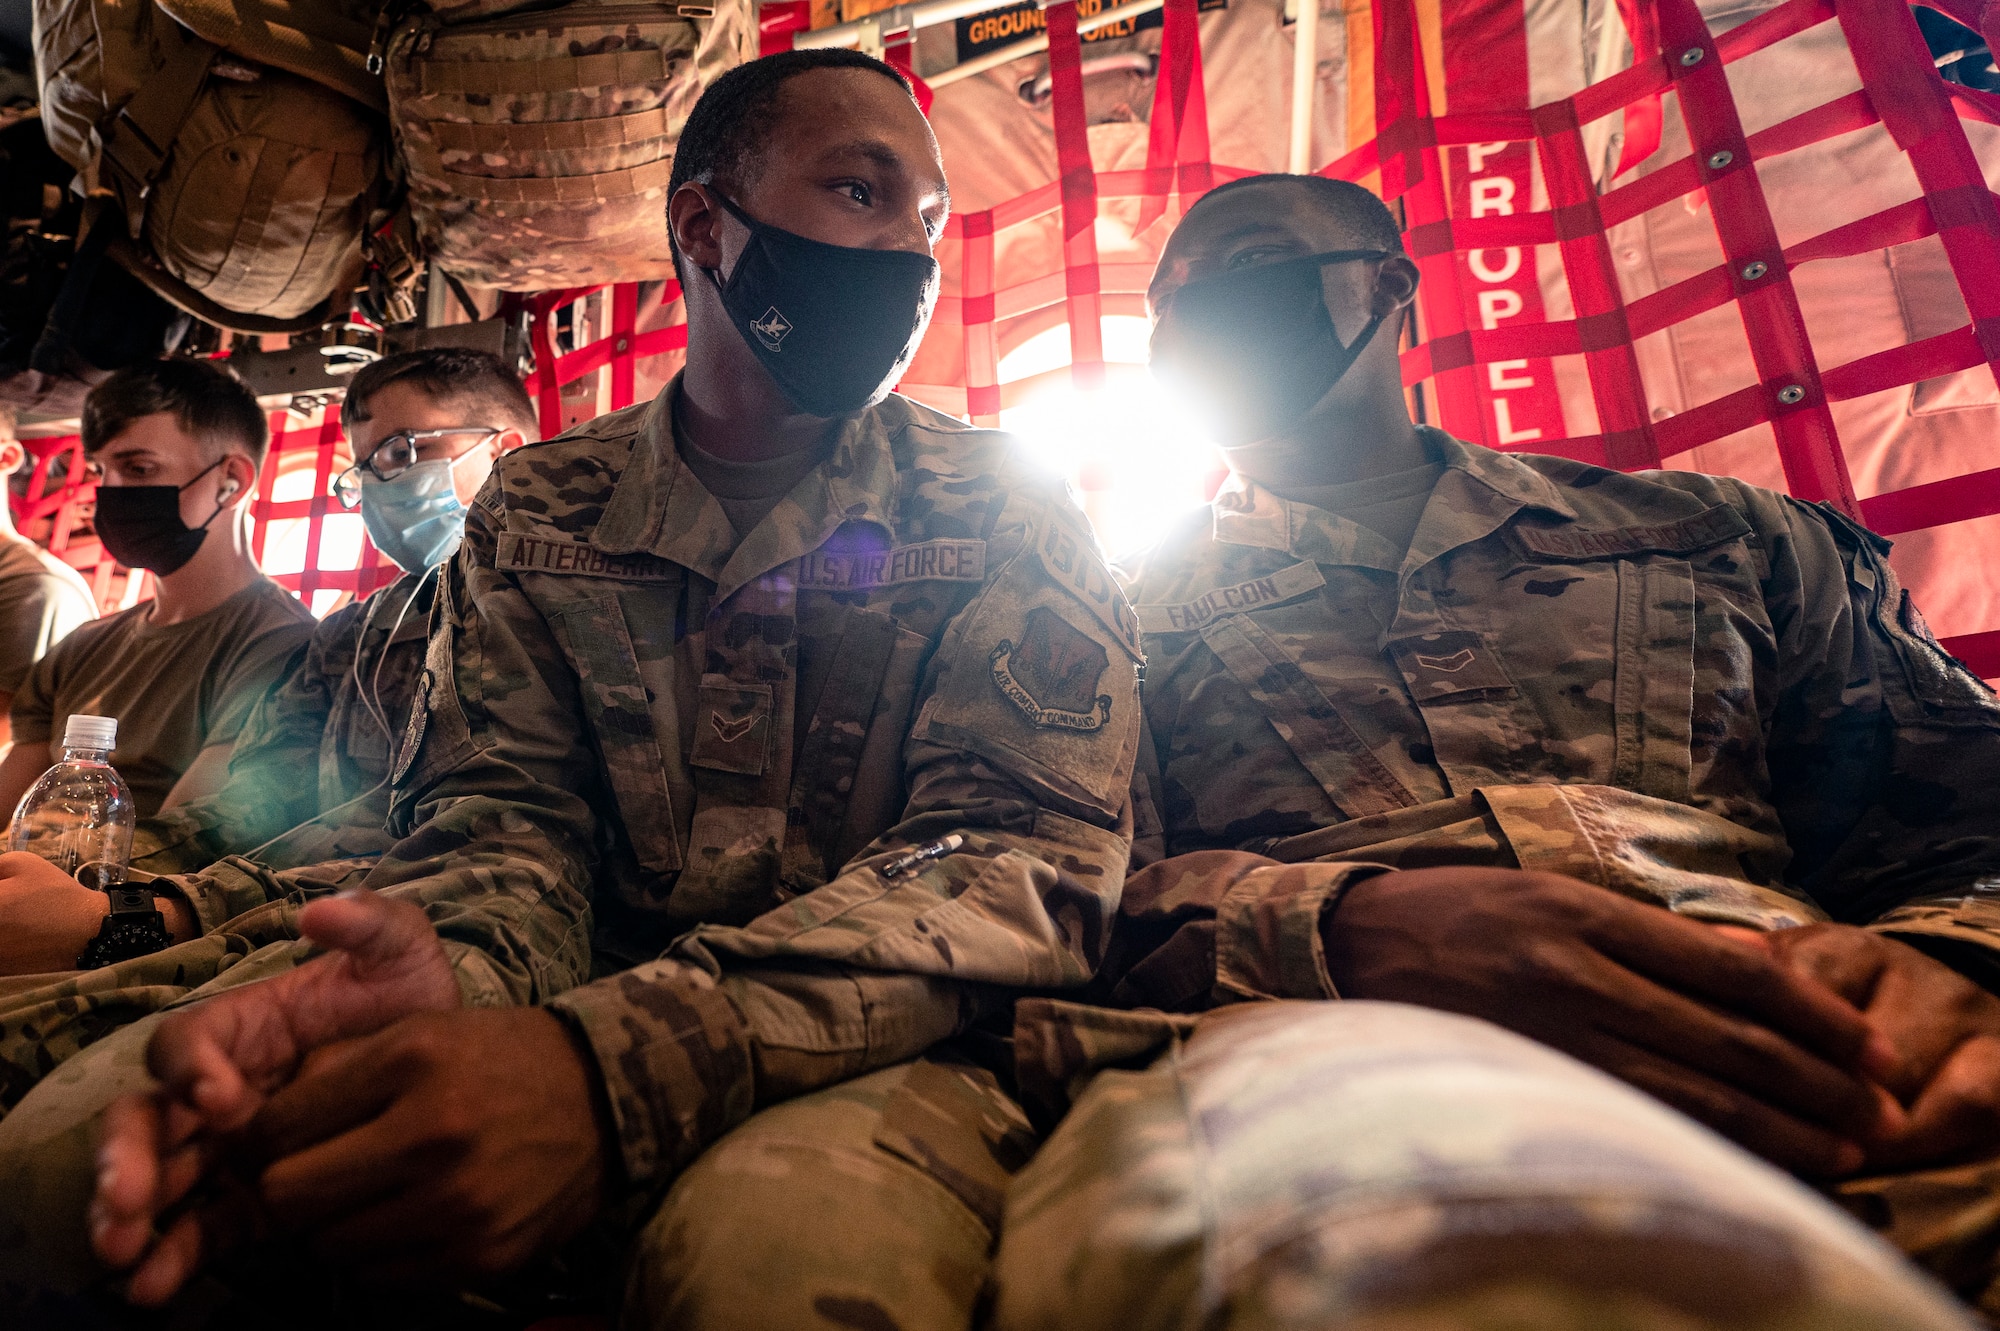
1254,594
941,560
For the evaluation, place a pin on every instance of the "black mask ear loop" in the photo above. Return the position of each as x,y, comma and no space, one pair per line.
219,504
750,224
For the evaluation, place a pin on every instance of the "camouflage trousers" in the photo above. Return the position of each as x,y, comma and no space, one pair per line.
1274,1166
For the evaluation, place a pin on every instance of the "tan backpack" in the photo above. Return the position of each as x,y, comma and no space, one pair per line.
240,190
537,144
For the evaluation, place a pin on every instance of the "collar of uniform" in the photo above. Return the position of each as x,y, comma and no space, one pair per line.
1480,491
1502,473
1248,514
659,505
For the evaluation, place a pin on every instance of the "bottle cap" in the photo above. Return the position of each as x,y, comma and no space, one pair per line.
91,732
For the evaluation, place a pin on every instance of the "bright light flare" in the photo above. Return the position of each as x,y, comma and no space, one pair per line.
1133,461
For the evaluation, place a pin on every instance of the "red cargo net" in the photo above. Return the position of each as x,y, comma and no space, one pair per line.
1902,92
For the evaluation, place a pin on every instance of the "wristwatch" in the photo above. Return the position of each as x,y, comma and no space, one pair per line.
134,928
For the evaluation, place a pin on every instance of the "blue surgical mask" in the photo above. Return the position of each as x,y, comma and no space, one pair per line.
415,519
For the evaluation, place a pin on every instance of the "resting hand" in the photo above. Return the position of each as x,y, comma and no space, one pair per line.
447,1146
1944,1031
1713,1026
219,1061
46,916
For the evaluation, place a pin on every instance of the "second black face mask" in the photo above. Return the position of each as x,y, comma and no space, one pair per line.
834,325
1257,346
141,524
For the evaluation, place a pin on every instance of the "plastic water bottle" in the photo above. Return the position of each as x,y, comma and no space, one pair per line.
79,816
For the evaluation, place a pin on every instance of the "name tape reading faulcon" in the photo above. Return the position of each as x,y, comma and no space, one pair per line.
1270,589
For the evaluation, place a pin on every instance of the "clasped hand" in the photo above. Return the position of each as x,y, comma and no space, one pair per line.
347,1103
1826,1049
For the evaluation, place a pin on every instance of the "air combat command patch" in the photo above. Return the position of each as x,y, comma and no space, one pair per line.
1053,673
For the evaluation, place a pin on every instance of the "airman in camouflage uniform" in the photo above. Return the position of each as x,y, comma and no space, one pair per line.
823,788
1681,689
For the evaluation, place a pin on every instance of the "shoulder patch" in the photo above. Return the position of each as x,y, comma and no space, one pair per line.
1071,558
519,552
1053,674
943,560
1270,589
1710,527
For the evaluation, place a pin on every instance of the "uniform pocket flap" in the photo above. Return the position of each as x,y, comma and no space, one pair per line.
732,729
1442,665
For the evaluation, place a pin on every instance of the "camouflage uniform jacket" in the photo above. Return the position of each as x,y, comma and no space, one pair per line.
733,746
1678,686
315,720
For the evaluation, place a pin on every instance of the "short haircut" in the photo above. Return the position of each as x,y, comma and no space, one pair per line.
1354,206
733,121
460,375
205,397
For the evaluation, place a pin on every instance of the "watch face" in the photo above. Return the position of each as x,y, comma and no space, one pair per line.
125,936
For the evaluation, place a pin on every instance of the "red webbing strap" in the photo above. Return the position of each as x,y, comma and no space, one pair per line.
777,20
1412,171
1894,62
1079,198
1808,446
329,439
1643,118
1978,652
1177,145
624,328
982,347
548,386
1957,499
1606,338
897,51
261,507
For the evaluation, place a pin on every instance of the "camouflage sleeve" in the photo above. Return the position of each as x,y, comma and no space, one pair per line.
270,786
1883,749
494,784
1224,926
1003,873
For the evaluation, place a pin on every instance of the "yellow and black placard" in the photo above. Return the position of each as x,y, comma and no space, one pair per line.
1016,23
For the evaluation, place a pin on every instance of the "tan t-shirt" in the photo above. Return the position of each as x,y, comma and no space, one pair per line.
748,491
41,600
175,688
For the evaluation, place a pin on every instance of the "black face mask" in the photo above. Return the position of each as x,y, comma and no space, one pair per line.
835,326
141,524
1257,346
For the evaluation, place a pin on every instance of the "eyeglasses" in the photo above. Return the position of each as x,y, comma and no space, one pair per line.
396,455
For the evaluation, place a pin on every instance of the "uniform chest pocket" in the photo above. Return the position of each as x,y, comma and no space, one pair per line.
621,718
1652,636
1653,678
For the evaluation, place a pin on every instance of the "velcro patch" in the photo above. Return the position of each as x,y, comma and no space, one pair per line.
1439,665
518,552
941,560
1709,527
1284,585
1072,560
732,729
1053,674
